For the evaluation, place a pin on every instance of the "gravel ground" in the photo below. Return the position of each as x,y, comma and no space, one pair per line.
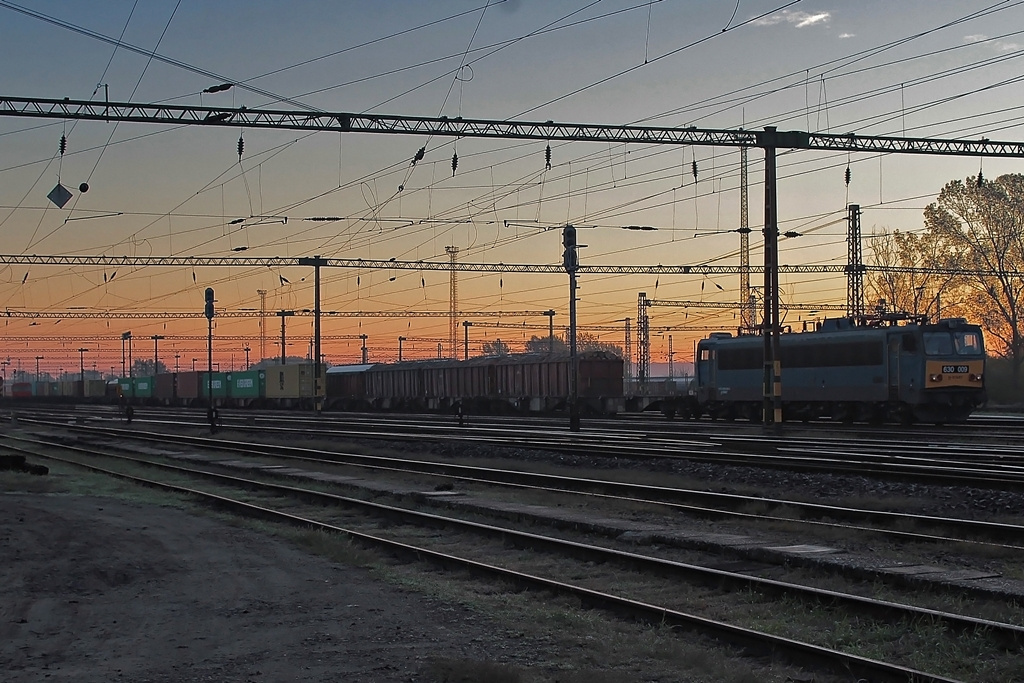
950,501
95,589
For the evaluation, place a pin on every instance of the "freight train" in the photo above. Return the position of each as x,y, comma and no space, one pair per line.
523,383
846,370
519,383
878,372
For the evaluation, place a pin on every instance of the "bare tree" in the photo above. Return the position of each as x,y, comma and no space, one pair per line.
590,342
983,224
910,292
496,348
584,342
543,344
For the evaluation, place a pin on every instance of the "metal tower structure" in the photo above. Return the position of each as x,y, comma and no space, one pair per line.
671,357
380,264
176,315
855,265
263,322
628,369
770,140
746,305
735,304
643,341
453,303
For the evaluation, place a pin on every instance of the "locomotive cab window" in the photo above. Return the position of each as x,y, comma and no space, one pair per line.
909,343
967,343
938,343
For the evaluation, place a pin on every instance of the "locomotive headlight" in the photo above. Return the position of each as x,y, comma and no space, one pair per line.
975,378
935,378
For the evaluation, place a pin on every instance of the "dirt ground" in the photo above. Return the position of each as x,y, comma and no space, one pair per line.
96,589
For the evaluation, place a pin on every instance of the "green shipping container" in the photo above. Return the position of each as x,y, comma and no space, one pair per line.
219,381
247,384
143,387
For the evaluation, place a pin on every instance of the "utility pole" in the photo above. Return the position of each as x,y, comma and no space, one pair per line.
671,353
772,343
629,352
570,259
770,139
746,309
550,313
38,358
156,355
211,412
466,325
126,337
318,392
283,314
453,302
855,265
400,340
246,349
643,341
263,322
81,368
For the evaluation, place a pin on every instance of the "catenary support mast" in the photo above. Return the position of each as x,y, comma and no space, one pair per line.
770,140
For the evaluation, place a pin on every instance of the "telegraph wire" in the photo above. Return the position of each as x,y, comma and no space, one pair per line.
820,68
656,59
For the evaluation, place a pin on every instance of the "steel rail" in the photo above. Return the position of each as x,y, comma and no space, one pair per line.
836,661
770,455
1007,535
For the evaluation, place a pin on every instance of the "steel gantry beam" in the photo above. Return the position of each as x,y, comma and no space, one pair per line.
176,315
76,339
380,264
770,140
738,304
345,122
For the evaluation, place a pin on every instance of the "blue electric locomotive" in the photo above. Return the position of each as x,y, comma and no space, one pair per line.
848,372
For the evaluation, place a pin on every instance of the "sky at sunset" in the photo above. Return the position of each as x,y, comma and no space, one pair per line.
919,68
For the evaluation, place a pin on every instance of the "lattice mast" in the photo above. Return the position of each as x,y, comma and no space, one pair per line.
746,303
453,303
855,265
671,357
263,322
628,365
643,340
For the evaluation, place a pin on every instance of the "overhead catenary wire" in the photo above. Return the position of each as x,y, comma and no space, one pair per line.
464,155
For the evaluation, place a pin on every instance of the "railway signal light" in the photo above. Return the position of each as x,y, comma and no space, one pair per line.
209,303
570,259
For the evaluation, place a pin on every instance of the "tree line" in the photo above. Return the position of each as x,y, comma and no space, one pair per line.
975,228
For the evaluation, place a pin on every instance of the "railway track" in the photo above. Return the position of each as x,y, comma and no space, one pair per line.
989,427
998,465
307,507
709,504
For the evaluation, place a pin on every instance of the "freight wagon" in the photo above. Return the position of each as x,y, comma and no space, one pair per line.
530,383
